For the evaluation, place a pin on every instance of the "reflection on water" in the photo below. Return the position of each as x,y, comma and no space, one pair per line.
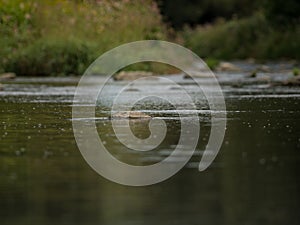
45,180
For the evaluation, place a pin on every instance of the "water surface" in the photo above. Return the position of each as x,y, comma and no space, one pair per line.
254,179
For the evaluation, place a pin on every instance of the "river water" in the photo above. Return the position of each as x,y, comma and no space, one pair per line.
254,179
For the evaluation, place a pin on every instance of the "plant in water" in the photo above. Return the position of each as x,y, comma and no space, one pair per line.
212,63
296,71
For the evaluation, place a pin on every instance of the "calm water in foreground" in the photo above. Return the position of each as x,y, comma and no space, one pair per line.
45,180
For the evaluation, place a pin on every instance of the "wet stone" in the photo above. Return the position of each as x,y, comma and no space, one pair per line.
7,76
130,115
132,75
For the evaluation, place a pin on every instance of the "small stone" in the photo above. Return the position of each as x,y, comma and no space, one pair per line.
226,66
7,76
131,115
132,75
137,115
196,74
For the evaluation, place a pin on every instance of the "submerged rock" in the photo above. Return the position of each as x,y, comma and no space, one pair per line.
1,87
7,76
132,75
130,115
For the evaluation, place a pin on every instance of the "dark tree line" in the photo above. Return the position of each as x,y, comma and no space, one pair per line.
193,12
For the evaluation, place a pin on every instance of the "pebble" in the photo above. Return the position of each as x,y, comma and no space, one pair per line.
132,75
226,66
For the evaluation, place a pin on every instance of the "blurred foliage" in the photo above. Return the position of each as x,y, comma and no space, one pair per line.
192,12
227,29
51,36
212,63
243,38
282,13
43,37
296,71
51,57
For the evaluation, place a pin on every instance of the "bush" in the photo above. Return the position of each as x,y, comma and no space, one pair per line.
51,57
244,38
61,36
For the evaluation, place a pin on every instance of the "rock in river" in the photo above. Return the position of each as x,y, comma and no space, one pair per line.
7,76
130,115
132,75
198,74
226,66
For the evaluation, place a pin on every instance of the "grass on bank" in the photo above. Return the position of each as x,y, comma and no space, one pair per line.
62,37
251,37
53,37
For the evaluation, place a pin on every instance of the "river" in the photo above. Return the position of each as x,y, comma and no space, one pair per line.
253,180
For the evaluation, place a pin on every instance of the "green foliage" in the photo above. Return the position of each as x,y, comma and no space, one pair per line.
244,38
296,71
51,57
267,29
212,63
62,37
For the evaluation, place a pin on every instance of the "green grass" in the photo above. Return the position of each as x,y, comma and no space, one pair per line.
212,63
54,37
244,38
62,37
51,57
296,71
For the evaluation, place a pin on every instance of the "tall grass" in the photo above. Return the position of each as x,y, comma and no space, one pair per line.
63,37
244,38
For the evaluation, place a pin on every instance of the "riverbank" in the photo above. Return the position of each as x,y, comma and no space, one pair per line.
252,37
236,74
59,38
44,38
